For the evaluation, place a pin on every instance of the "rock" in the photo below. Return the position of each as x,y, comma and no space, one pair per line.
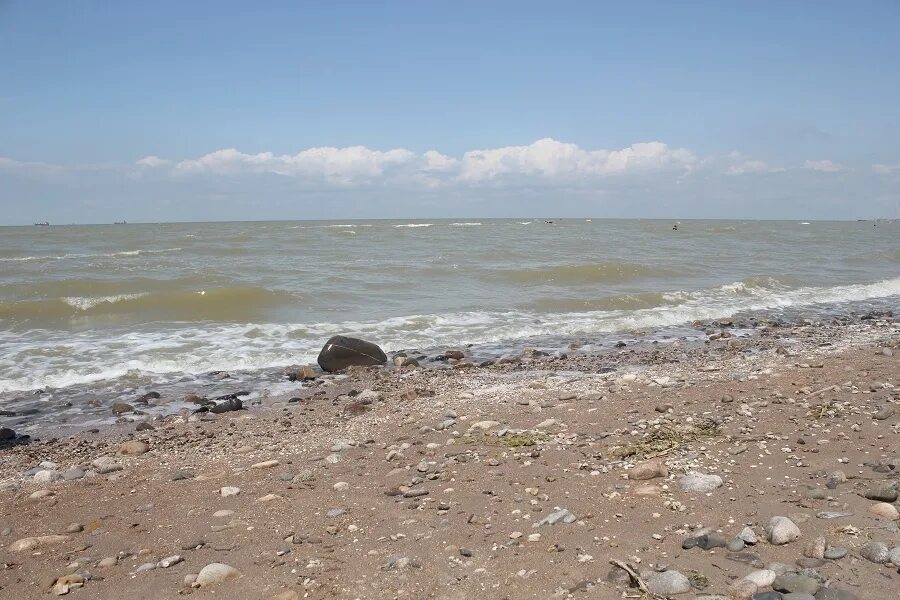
30,543
699,482
781,530
215,573
341,486
66,583
798,596
815,548
301,374
560,516
134,448
227,491
706,542
266,464
169,561
795,583
341,352
286,595
748,535
119,408
762,578
831,593
648,470
7,434
835,553
483,425
876,552
73,474
736,545
747,558
894,556
668,583
884,413
225,404
109,561
885,511
47,476
454,355
768,596
742,589
885,492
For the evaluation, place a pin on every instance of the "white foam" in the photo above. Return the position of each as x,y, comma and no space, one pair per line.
465,224
81,303
415,225
44,358
74,256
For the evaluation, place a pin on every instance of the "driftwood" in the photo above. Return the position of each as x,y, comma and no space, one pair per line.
635,578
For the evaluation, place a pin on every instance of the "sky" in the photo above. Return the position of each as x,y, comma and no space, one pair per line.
190,111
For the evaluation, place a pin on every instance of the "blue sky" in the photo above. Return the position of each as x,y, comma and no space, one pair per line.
695,109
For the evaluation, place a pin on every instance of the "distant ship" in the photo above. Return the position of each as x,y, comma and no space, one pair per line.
44,224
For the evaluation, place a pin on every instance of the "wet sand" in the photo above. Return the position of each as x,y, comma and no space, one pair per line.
433,483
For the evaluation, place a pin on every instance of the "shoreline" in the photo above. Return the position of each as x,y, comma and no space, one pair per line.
428,483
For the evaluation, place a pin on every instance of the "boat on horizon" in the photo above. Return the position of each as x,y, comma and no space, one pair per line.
44,224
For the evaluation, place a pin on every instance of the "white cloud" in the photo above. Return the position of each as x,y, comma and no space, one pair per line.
338,165
883,169
552,159
153,162
825,166
741,164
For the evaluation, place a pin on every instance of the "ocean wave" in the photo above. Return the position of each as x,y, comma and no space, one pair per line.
465,224
414,225
45,358
229,304
76,256
581,274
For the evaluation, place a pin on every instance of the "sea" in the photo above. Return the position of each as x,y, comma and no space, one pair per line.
91,314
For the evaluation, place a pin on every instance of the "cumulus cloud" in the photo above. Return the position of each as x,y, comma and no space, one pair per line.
152,162
338,165
883,169
824,166
741,164
552,159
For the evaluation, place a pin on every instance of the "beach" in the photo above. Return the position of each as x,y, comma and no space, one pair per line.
749,456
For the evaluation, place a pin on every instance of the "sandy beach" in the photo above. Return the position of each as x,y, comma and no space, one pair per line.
710,470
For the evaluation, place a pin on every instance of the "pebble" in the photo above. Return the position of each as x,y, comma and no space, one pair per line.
886,412
762,578
885,511
648,470
266,464
72,474
894,556
134,448
560,516
169,561
781,530
815,548
876,552
668,583
215,573
341,486
748,536
109,561
835,553
47,476
795,582
699,482
229,491
768,596
30,543
831,593
885,492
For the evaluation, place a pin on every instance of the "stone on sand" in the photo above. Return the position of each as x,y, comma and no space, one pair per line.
781,530
214,573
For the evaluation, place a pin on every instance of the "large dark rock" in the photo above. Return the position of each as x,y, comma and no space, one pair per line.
341,352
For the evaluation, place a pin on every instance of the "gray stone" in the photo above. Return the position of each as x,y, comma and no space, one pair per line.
830,514
876,552
748,535
834,594
781,530
768,596
894,556
736,545
885,492
47,476
215,573
699,482
560,516
668,583
73,474
835,553
886,412
795,582
799,596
